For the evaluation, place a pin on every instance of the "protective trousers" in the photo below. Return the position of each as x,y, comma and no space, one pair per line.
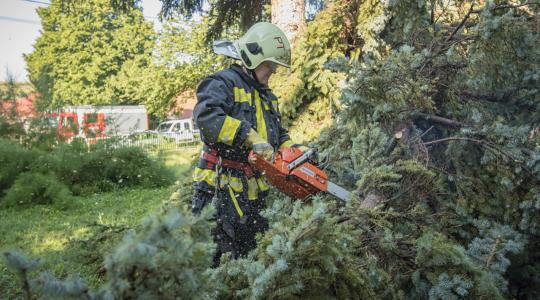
234,232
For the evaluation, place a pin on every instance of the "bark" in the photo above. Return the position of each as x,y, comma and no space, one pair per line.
371,200
289,15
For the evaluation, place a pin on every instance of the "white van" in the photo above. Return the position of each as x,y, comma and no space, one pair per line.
90,121
180,130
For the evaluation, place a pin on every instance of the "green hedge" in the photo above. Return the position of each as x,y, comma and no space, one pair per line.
79,168
35,188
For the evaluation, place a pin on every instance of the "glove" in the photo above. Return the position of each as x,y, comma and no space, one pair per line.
289,144
259,145
301,148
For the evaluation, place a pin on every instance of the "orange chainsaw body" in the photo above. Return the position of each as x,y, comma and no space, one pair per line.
299,182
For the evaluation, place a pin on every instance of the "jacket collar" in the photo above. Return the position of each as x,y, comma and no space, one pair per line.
250,80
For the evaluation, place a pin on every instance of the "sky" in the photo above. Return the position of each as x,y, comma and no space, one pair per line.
20,26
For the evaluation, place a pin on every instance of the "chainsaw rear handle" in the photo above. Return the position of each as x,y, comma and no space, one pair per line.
302,159
309,154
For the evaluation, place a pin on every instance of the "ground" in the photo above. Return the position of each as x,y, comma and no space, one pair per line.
74,241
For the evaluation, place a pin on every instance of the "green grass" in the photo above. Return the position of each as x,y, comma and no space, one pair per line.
179,160
75,241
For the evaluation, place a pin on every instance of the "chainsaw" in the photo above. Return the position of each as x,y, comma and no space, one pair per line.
296,174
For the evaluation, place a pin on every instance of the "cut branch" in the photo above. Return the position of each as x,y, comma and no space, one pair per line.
440,120
454,138
492,252
493,97
460,24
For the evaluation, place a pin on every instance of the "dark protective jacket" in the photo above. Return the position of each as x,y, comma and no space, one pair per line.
229,103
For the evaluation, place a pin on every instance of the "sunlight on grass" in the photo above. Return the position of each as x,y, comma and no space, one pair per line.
69,241
50,243
179,160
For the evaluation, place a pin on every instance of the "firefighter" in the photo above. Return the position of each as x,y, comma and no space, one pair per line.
236,113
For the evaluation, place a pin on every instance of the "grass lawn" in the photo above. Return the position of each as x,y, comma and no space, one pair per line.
75,241
179,160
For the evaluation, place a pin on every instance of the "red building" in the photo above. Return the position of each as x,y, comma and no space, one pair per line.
24,107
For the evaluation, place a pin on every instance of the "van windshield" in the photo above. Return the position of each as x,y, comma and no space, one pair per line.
164,127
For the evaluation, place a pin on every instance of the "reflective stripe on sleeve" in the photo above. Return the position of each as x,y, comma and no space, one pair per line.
228,130
261,124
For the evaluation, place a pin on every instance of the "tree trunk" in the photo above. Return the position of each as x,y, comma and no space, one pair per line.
289,15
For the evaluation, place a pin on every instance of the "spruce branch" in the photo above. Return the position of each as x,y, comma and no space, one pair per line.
493,97
492,252
21,265
438,119
488,146
461,23
454,138
427,131
506,6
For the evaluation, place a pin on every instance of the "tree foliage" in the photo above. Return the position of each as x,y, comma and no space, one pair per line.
224,14
85,51
11,125
436,120
181,60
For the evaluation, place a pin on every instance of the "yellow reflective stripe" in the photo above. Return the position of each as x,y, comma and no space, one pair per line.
228,130
247,97
236,92
286,144
253,189
261,124
275,105
240,95
234,182
263,186
207,175
235,202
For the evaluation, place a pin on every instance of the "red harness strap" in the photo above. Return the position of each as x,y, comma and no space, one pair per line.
212,158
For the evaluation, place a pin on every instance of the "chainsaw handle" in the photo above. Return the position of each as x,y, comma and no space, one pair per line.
252,157
300,160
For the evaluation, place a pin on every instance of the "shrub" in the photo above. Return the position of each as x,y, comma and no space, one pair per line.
14,160
131,166
104,169
75,167
100,168
34,188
